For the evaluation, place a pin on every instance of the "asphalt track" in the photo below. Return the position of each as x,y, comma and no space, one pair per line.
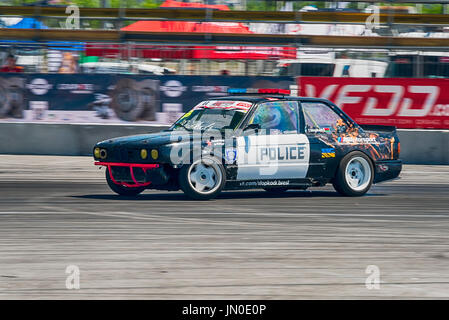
58,211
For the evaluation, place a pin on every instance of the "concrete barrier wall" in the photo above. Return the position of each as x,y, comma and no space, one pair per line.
417,146
424,146
61,139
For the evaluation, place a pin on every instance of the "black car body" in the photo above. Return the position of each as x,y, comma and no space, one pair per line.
274,142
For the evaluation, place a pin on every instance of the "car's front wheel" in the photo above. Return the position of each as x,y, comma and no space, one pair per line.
203,179
354,175
122,190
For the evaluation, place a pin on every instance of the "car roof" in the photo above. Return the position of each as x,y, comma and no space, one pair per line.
262,98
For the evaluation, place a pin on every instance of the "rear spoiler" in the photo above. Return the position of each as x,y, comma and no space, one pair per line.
379,128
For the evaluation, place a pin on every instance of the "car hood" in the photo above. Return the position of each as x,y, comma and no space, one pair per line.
152,139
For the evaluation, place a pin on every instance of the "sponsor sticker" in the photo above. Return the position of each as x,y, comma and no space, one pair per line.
357,140
264,183
319,130
231,154
328,153
238,105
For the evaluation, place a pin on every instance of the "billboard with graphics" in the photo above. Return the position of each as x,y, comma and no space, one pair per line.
400,102
109,98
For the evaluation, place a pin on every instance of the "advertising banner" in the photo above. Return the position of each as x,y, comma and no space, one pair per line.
108,98
181,93
12,101
400,102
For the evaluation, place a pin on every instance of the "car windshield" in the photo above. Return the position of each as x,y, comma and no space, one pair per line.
215,114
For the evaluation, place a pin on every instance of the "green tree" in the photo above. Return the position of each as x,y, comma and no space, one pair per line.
134,3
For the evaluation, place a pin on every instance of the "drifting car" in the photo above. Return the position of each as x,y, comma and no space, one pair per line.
254,138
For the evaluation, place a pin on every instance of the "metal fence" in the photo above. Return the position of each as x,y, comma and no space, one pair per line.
235,61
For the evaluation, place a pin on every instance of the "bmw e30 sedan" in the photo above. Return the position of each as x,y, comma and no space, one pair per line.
264,139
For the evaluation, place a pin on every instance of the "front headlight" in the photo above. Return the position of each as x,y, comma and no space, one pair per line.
103,154
97,153
143,154
154,154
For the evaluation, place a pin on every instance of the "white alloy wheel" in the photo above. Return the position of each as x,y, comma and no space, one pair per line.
358,173
205,176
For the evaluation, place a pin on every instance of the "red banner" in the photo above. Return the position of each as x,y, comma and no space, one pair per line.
400,102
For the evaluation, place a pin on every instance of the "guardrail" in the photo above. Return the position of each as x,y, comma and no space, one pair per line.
184,38
234,15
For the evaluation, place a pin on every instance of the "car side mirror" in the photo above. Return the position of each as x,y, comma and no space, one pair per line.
252,126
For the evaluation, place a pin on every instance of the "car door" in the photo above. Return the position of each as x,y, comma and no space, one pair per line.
277,149
322,127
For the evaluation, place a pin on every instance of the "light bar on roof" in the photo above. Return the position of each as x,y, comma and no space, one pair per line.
236,90
258,91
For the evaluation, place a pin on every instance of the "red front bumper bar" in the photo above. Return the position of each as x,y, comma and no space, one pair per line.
131,166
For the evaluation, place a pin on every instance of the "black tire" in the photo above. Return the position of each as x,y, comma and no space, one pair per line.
353,166
122,190
209,170
126,100
277,190
16,102
5,103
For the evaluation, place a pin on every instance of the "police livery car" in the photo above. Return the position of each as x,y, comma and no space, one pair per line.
254,138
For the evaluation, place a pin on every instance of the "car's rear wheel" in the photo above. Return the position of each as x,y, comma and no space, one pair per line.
122,190
354,175
203,179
